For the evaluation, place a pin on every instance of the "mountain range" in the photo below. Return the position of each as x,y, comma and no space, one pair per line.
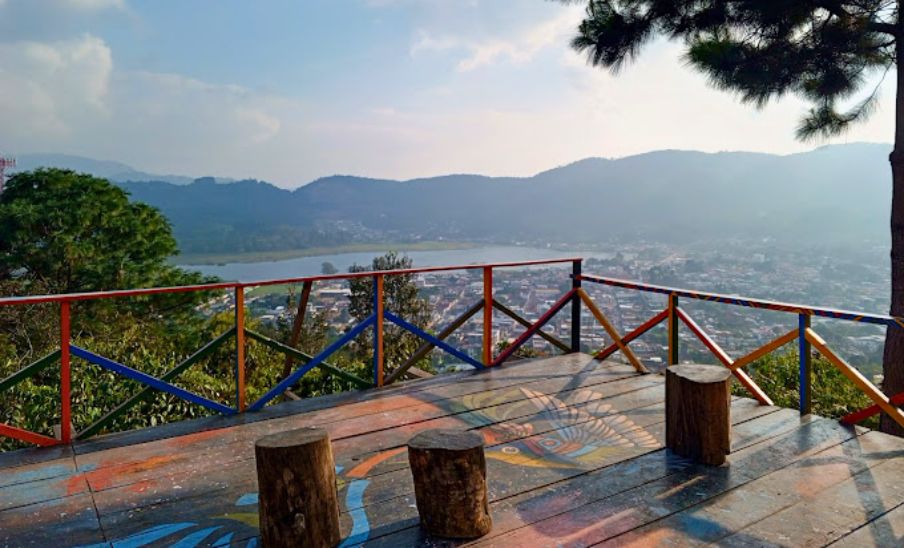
836,194
114,171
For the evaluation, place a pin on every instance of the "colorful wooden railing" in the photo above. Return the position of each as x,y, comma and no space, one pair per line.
805,336
297,363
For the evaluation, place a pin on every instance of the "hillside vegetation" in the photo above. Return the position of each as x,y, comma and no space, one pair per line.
837,194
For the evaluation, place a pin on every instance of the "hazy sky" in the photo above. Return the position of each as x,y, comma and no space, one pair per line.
291,90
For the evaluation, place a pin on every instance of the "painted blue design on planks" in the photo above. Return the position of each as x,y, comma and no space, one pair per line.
247,499
144,537
225,540
194,539
360,526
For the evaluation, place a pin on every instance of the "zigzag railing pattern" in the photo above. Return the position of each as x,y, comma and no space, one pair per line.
299,363
239,334
805,336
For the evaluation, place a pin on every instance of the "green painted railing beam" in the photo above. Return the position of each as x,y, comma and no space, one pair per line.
29,370
526,323
146,392
305,358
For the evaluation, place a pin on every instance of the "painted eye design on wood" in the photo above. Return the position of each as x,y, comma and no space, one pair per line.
550,443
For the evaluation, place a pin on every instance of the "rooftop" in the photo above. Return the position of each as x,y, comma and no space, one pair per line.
574,457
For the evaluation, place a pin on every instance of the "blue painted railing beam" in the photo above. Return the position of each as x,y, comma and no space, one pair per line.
433,340
287,383
149,380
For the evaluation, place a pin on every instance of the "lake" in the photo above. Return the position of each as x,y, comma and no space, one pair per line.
310,266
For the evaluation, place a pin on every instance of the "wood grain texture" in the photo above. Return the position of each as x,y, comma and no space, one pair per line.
574,457
698,425
297,489
450,483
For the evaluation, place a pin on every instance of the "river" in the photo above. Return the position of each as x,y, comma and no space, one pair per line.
310,266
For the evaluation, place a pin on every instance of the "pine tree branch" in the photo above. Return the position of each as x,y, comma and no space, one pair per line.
886,28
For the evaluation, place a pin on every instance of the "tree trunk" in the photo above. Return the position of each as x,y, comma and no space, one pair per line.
298,502
697,416
893,358
450,483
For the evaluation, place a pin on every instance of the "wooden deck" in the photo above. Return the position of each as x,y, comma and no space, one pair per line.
573,453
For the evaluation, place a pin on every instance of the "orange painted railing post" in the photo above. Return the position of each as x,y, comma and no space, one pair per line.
673,330
240,348
65,374
378,330
488,315
576,306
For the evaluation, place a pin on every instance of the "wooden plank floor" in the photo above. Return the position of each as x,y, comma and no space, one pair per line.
574,457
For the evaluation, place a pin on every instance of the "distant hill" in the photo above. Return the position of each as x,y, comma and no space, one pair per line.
113,171
837,194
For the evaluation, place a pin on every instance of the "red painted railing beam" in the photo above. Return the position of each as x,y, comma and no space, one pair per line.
723,357
863,414
532,330
26,436
65,374
37,299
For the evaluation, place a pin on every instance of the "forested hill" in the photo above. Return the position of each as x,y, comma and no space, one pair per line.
837,194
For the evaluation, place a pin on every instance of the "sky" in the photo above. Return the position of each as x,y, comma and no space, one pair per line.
288,91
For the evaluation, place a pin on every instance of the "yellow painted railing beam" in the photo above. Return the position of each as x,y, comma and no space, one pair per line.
856,377
603,321
763,350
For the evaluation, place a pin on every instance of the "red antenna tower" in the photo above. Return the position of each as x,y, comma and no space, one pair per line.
5,163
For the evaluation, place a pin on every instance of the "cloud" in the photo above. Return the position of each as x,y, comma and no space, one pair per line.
70,96
46,88
426,42
521,47
261,126
67,96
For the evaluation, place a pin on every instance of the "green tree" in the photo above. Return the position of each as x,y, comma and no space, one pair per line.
825,51
75,232
400,296
65,232
833,394
328,268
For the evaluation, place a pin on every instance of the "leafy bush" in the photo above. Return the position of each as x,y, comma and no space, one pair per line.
833,395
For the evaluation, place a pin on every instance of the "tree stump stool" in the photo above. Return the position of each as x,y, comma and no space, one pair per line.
697,419
450,483
296,477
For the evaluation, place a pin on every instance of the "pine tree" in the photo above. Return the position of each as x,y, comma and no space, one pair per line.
826,51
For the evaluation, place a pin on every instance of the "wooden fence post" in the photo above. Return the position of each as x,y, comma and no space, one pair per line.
806,365
673,330
378,330
576,306
487,315
65,374
240,348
